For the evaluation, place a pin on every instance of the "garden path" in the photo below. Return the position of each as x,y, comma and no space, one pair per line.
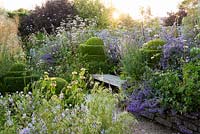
145,126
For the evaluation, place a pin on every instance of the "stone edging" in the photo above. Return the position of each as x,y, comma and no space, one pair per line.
186,123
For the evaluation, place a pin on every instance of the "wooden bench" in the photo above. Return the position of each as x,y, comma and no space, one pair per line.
110,79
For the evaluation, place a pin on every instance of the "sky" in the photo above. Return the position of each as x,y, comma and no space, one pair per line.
158,7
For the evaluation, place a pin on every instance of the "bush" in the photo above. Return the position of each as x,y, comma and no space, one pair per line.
155,44
94,9
47,17
194,53
51,85
18,78
18,67
180,91
153,51
94,41
93,50
134,64
14,84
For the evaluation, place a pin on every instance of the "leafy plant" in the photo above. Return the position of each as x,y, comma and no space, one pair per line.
94,55
134,64
153,52
33,113
17,78
88,9
179,91
47,17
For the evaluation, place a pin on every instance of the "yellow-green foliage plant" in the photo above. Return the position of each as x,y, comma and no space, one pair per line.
93,50
17,78
153,51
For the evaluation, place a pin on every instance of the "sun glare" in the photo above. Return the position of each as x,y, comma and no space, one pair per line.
132,7
115,15
159,8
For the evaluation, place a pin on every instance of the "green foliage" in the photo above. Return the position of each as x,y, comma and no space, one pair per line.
126,21
92,49
94,55
94,9
47,17
191,23
6,60
63,53
18,73
102,106
168,84
155,44
17,78
73,92
18,67
94,41
153,51
32,112
20,12
194,52
180,91
14,84
76,89
134,64
51,85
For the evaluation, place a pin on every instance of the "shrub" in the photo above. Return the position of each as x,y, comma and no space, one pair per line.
94,9
94,41
153,51
194,53
14,84
18,67
47,17
168,84
134,64
51,85
174,52
180,91
18,78
155,44
76,90
93,50
20,12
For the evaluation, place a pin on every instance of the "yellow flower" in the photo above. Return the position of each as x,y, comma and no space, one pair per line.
74,73
82,77
83,69
69,87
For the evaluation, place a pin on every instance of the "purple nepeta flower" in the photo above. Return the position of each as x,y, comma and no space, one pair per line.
173,51
143,99
184,130
48,58
25,131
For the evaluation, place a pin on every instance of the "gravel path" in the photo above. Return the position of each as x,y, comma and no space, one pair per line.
145,126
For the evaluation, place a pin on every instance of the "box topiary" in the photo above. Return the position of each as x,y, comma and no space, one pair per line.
17,78
18,67
153,51
94,41
93,50
14,84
